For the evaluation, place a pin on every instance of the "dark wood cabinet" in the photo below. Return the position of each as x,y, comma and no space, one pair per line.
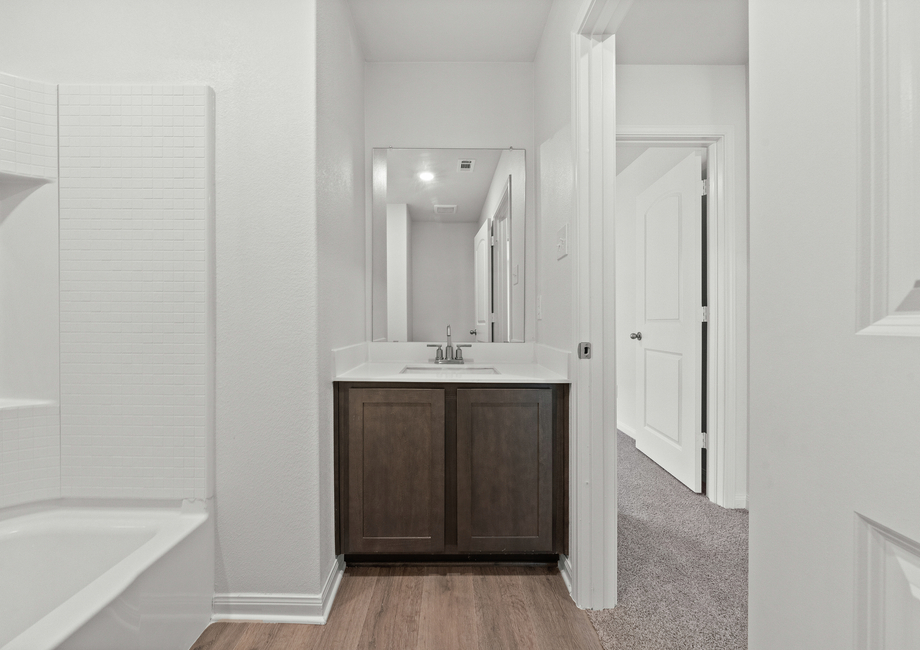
504,470
396,463
451,469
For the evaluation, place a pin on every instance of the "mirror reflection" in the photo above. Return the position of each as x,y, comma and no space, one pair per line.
448,244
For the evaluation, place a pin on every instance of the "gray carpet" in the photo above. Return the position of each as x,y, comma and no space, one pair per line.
682,562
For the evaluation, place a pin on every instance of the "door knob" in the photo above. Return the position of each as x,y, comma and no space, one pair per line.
636,335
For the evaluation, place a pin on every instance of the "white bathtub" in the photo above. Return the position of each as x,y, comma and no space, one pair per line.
105,578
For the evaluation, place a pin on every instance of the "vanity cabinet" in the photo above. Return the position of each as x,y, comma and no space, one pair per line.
451,469
396,470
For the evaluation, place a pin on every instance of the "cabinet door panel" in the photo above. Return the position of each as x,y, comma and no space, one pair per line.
396,475
504,470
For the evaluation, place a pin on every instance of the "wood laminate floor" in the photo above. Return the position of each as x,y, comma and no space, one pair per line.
429,608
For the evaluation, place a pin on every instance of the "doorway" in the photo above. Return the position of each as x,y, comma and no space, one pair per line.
724,393
661,305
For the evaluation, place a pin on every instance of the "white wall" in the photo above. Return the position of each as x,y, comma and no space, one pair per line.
260,60
442,281
556,206
340,207
833,414
456,105
632,181
555,172
688,95
399,273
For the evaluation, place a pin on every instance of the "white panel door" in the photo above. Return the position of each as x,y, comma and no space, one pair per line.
482,264
668,295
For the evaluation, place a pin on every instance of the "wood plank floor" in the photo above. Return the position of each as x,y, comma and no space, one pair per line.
429,608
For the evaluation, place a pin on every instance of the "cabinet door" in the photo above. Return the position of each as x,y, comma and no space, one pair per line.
504,470
396,470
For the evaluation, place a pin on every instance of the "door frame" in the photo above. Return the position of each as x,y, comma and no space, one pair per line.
591,570
727,261
592,566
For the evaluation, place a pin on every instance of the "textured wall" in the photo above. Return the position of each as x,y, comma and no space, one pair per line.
134,340
555,172
28,127
340,187
30,452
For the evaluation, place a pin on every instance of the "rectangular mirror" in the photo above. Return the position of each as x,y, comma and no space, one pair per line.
448,244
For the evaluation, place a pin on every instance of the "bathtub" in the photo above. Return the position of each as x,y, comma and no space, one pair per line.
105,578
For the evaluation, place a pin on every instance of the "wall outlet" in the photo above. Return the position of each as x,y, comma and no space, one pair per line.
562,242
539,307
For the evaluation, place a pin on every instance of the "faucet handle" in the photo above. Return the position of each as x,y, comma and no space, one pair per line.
439,355
459,354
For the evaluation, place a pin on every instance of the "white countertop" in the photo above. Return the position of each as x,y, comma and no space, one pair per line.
507,373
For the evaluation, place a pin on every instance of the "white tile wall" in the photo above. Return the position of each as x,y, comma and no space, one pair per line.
30,453
134,192
28,127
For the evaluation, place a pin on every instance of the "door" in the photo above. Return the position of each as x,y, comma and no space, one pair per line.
501,268
396,470
504,470
482,291
668,315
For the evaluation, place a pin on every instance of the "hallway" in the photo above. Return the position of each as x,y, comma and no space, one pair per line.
682,580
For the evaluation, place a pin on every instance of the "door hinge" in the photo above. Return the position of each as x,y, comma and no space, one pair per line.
492,240
704,187
704,315
703,440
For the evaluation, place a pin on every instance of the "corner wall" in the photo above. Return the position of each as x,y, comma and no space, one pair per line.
340,209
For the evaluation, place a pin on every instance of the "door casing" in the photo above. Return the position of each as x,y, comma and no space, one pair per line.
727,262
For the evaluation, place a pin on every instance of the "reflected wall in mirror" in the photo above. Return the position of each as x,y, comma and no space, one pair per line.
448,244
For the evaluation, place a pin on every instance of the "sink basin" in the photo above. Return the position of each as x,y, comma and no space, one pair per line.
448,370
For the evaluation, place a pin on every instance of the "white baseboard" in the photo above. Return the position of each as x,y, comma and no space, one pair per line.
565,570
628,430
280,608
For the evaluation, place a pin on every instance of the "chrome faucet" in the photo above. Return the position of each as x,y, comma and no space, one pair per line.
449,350
448,356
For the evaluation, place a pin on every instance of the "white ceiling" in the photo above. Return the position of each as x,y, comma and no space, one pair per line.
450,30
466,190
653,32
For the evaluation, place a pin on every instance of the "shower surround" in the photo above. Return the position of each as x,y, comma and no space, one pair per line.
107,299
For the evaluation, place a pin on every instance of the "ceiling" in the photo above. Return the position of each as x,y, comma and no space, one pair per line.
702,32
467,190
450,30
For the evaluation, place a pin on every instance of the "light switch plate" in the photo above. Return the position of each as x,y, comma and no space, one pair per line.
562,242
